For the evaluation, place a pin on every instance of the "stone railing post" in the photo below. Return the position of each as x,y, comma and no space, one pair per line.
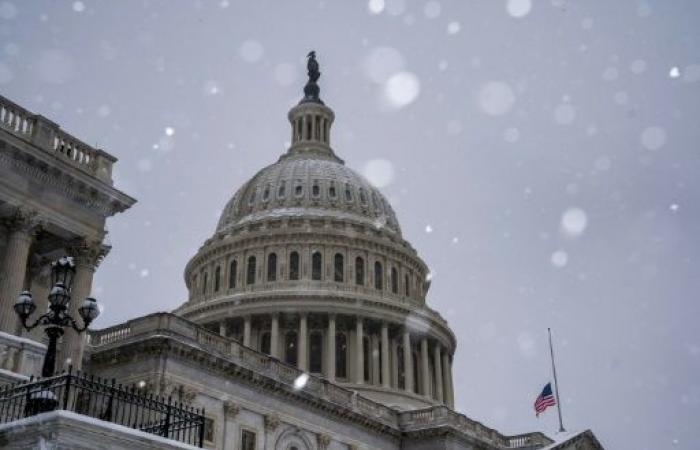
44,133
103,166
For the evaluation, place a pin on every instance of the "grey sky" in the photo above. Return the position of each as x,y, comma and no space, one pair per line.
485,123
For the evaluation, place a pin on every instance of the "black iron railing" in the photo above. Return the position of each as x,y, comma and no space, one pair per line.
105,400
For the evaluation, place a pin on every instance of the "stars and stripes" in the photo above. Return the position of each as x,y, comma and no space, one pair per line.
544,400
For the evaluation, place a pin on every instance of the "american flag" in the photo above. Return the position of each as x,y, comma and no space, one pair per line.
544,400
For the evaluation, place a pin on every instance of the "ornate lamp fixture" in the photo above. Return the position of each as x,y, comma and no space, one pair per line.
57,318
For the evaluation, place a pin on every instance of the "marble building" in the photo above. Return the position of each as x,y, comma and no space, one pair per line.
306,325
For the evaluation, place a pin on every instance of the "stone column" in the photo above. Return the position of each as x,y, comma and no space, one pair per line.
246,331
274,335
374,341
303,344
407,361
40,287
447,380
359,352
87,255
330,354
438,373
22,227
222,328
424,366
385,355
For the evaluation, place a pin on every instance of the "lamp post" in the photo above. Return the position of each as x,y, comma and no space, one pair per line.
57,318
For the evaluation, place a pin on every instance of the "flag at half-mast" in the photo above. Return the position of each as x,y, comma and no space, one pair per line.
544,400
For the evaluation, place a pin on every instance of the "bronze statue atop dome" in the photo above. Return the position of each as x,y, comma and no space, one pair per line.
311,90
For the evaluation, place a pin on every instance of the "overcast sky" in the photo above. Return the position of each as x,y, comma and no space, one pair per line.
542,158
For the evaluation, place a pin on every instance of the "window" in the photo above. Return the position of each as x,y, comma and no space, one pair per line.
378,276
205,281
233,272
265,343
281,191
316,189
208,429
290,348
250,275
217,278
298,189
341,355
266,193
359,271
315,352
251,199
363,197
331,190
406,285
294,266
394,281
316,266
248,440
348,193
272,267
338,268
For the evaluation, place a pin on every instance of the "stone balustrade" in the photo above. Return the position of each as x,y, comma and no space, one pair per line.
48,137
166,324
19,357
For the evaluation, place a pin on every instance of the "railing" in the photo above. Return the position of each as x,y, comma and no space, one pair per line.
103,400
47,136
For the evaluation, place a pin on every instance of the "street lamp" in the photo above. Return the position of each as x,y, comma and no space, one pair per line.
57,318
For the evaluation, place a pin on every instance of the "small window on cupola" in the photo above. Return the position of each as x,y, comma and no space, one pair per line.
331,190
348,193
299,189
316,189
282,190
266,193
363,197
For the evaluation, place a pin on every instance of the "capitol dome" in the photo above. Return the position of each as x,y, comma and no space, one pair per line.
307,264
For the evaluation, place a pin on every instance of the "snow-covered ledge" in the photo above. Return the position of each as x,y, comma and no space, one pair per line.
19,358
66,429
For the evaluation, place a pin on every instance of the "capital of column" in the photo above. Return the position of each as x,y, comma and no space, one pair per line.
24,219
88,253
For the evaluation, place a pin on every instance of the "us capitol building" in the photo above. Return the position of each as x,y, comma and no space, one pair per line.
306,325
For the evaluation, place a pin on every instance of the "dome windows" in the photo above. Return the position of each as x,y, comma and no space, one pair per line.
294,266
394,281
299,189
251,199
359,271
282,190
348,193
250,274
266,193
331,190
217,278
338,268
233,272
316,189
378,276
272,267
316,266
363,197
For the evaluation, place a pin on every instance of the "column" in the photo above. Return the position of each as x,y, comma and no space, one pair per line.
424,367
303,345
374,342
222,328
447,380
40,287
385,355
359,352
407,361
87,255
330,353
246,330
274,335
22,227
438,373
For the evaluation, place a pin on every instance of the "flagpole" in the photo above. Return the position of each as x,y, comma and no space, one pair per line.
556,383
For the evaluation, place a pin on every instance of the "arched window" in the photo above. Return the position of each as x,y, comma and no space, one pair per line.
272,267
394,281
341,355
266,193
378,276
265,343
205,281
217,278
316,266
232,274
315,352
250,275
359,271
316,189
290,348
400,367
365,355
338,268
406,285
294,266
